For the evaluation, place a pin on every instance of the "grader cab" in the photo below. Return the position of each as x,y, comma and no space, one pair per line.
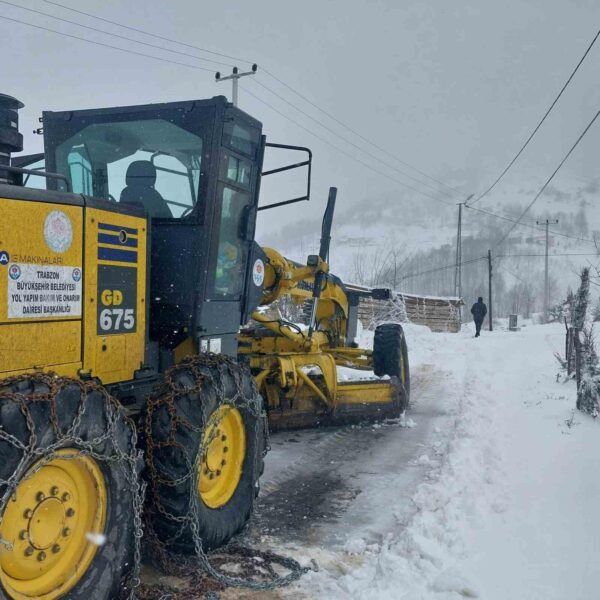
134,344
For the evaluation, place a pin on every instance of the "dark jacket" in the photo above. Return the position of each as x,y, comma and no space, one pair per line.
479,310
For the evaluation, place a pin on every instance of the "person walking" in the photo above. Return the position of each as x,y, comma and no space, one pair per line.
478,310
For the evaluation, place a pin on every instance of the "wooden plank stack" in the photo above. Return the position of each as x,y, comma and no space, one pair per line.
439,314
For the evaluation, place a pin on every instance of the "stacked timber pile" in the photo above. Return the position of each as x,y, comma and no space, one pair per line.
439,314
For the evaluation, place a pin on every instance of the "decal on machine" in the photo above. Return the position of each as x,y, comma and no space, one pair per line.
4,257
258,272
43,291
58,231
117,299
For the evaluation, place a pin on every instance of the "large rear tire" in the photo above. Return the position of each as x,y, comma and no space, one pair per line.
67,472
204,432
390,356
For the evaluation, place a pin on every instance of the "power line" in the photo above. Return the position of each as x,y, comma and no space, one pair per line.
444,268
549,255
357,134
338,149
248,91
562,162
564,87
155,35
348,141
303,97
474,260
82,39
505,218
115,35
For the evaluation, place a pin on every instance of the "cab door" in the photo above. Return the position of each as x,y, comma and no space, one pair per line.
233,225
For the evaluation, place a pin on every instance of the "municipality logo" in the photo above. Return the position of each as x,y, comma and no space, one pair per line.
4,257
76,274
14,272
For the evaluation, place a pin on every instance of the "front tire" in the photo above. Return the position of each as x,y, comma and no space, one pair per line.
204,432
390,356
68,473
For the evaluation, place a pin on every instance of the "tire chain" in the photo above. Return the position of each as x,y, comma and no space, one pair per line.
255,568
255,565
42,455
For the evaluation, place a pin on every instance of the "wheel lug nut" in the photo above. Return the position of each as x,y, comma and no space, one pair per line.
40,496
66,532
56,548
70,512
223,438
66,497
211,476
54,491
28,551
225,449
218,473
223,462
42,556
23,535
28,513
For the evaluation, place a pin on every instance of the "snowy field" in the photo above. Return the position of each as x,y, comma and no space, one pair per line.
489,489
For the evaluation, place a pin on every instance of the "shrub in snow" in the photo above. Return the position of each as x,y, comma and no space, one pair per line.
588,394
559,312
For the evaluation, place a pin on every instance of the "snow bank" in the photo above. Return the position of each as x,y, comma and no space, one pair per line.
510,510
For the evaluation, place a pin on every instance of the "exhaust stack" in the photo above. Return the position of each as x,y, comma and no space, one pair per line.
10,138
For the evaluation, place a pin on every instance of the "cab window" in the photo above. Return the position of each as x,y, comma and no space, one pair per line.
232,248
151,163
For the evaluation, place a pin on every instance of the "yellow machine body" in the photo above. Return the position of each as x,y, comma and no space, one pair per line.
68,273
297,372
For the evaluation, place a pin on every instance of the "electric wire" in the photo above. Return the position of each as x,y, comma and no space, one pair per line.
345,139
267,72
356,133
155,35
115,35
536,228
512,162
444,268
549,255
338,149
541,191
128,51
474,260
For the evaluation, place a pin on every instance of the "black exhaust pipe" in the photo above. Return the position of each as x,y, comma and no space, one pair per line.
10,138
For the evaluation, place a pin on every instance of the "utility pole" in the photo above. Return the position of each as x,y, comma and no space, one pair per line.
457,270
490,317
547,222
235,76
458,267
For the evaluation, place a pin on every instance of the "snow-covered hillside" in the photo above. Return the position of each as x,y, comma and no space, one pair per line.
386,241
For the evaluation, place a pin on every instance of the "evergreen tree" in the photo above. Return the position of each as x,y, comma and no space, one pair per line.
596,312
580,300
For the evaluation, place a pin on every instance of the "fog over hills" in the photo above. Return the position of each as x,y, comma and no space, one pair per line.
401,242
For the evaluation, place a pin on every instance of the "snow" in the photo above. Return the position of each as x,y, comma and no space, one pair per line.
507,503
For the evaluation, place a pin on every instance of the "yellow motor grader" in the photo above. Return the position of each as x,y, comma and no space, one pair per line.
140,340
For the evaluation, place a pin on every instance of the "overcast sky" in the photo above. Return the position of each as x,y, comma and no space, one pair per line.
451,87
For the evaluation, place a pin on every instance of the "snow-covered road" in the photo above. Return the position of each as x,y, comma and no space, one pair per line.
492,492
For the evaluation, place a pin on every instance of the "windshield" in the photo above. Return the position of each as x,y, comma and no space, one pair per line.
151,163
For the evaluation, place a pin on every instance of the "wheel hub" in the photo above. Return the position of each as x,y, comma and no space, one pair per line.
47,523
224,449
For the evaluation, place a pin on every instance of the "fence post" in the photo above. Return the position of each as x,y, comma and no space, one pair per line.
577,344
